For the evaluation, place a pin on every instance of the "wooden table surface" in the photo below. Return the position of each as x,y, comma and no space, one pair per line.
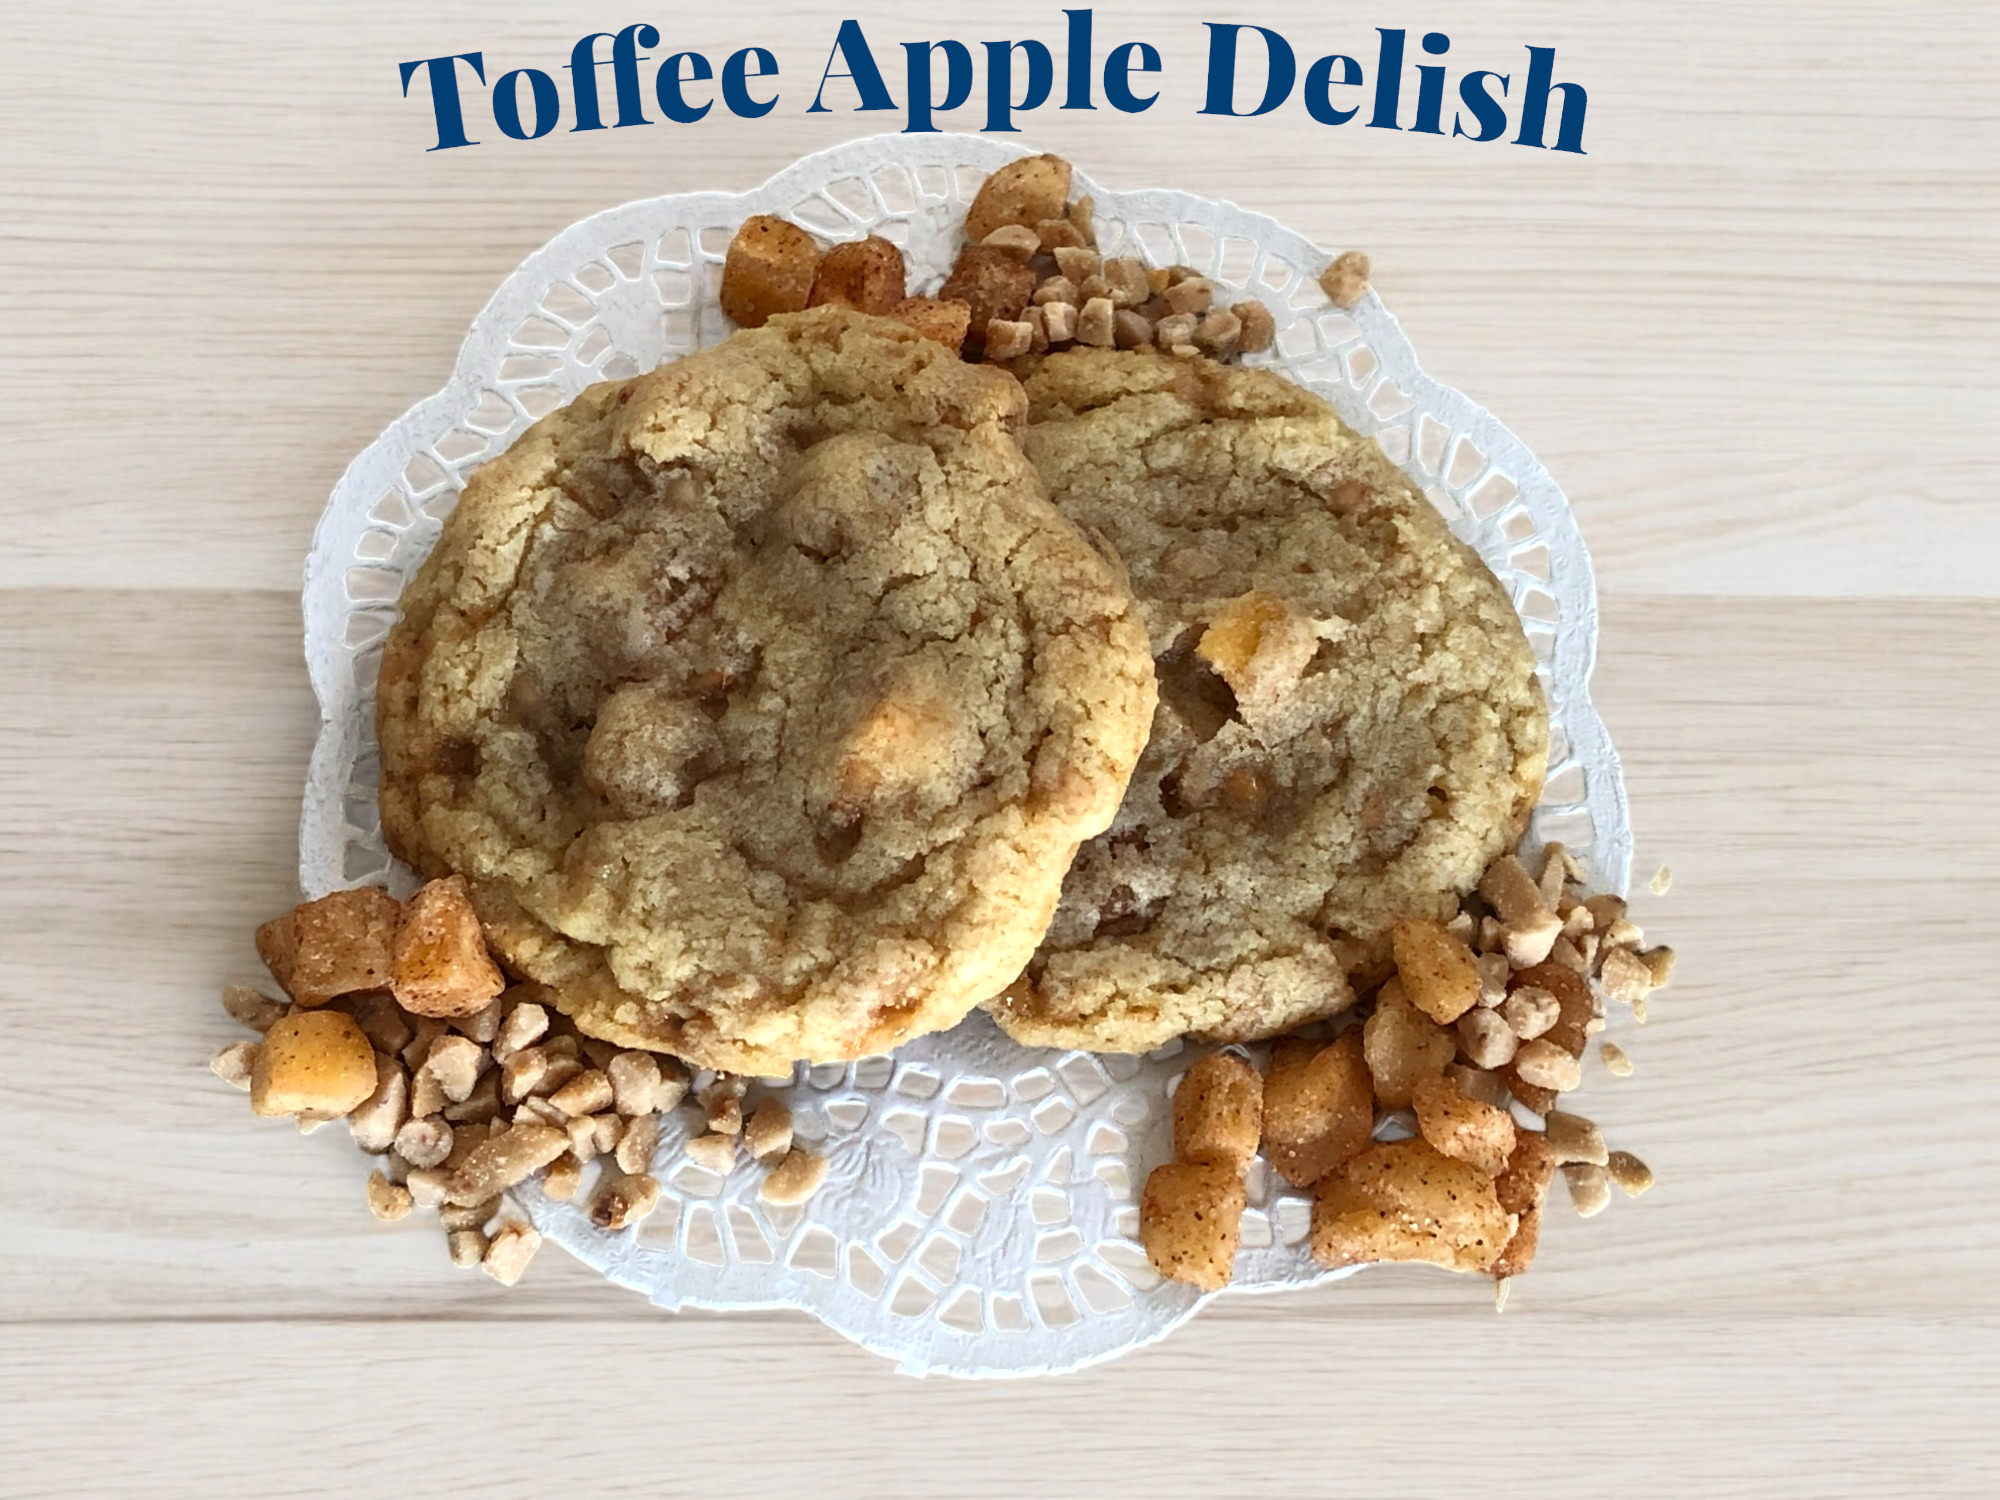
1752,333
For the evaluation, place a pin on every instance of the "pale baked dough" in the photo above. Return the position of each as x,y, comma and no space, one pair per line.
1349,726
763,699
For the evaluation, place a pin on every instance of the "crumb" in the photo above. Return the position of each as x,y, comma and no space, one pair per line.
723,1102
1632,1175
1659,964
1624,976
794,1179
375,1122
768,1132
388,1201
233,1064
564,1177
636,1145
524,1025
1190,1222
1589,1188
585,1094
424,1142
1345,281
625,1201
1543,1064
513,1245
1573,1138
252,1007
467,1247
453,1216
716,1151
1218,1111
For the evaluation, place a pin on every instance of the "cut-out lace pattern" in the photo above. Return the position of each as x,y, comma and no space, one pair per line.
980,1214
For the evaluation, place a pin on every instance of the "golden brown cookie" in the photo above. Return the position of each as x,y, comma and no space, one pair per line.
1349,726
763,699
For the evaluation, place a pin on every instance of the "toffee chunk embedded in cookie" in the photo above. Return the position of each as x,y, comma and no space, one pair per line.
1349,727
763,699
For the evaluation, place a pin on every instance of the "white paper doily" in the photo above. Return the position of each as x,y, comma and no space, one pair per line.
980,1214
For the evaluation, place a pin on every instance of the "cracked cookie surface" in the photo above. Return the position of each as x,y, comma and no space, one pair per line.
1349,726
763,699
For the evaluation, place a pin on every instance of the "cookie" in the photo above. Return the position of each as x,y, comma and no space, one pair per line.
763,699
1349,726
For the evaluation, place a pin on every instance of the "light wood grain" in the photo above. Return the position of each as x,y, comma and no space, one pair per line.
1750,332
1816,1176
1753,333
1284,1406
